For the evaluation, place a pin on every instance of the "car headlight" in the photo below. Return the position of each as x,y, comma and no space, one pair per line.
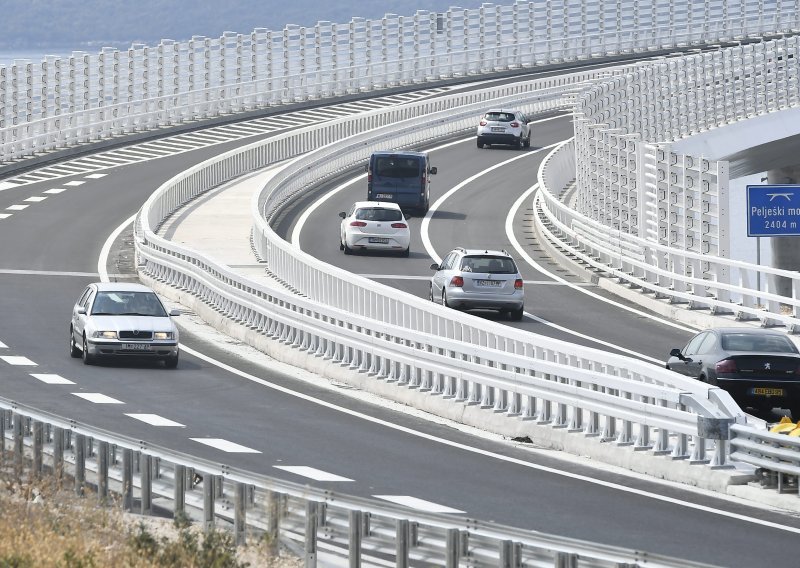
163,335
105,334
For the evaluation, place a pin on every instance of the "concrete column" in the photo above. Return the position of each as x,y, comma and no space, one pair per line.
785,252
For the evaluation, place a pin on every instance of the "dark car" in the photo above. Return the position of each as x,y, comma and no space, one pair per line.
760,368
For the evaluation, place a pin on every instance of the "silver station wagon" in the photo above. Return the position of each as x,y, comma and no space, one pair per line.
116,319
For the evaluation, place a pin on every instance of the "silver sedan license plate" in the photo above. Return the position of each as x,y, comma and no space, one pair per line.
379,240
489,283
136,346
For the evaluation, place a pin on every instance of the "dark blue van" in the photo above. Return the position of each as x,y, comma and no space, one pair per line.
400,177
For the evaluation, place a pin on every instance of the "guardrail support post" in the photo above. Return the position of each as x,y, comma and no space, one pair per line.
508,556
453,545
273,521
58,454
146,479
209,499
402,543
102,471
354,549
566,560
127,479
80,463
179,503
3,418
38,447
311,535
19,444
240,514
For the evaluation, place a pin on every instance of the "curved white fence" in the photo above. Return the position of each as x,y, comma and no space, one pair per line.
62,102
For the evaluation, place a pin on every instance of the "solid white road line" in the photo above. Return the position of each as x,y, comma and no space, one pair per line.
156,420
52,379
104,252
97,398
418,504
225,446
312,473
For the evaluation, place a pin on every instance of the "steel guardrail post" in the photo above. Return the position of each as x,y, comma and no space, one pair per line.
402,544
274,501
38,447
80,463
452,548
127,479
58,454
3,418
19,444
179,481
240,514
146,482
311,535
102,471
208,501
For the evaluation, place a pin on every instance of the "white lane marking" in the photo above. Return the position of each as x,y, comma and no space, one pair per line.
156,420
5,215
7,185
427,278
45,272
418,504
36,199
18,361
486,453
52,379
74,183
55,190
106,250
225,446
312,473
95,176
3,345
97,398
16,207
527,258
426,221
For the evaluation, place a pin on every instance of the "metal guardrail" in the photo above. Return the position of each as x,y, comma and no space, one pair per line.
323,527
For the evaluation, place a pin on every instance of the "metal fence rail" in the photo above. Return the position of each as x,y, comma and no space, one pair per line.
325,528
62,102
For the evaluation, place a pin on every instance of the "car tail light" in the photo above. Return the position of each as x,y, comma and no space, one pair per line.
399,226
725,366
483,123
515,124
358,224
423,181
369,176
457,281
518,284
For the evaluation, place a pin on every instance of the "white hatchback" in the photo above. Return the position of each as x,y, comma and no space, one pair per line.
373,225
506,127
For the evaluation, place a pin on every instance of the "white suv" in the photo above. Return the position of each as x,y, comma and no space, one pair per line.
479,279
509,127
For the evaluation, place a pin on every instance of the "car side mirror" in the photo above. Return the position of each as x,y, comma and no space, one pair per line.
342,214
677,353
434,266
82,311
175,312
433,170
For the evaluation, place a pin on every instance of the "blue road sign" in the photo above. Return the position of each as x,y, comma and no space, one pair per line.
773,210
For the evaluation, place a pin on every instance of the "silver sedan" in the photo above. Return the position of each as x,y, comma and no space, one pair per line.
121,319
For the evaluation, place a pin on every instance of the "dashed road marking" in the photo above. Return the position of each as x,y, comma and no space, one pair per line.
3,345
312,473
418,504
97,398
56,190
5,215
14,360
16,207
52,379
156,420
36,199
74,183
226,446
96,176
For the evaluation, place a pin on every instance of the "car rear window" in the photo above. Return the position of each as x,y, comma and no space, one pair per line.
396,167
488,264
758,343
500,116
379,214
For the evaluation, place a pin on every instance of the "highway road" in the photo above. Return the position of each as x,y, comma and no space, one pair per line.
226,408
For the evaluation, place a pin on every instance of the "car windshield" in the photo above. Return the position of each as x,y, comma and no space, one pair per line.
397,167
488,264
127,303
758,343
499,116
379,214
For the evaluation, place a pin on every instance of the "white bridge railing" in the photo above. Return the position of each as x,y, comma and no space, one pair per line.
61,102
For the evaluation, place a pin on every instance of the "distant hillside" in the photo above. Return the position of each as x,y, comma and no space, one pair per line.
80,23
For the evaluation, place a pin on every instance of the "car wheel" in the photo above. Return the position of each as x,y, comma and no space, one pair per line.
480,144
172,362
346,249
520,143
87,359
341,245
528,141
444,299
516,315
73,347
406,252
430,292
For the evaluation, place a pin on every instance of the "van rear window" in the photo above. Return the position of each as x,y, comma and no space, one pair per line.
397,167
